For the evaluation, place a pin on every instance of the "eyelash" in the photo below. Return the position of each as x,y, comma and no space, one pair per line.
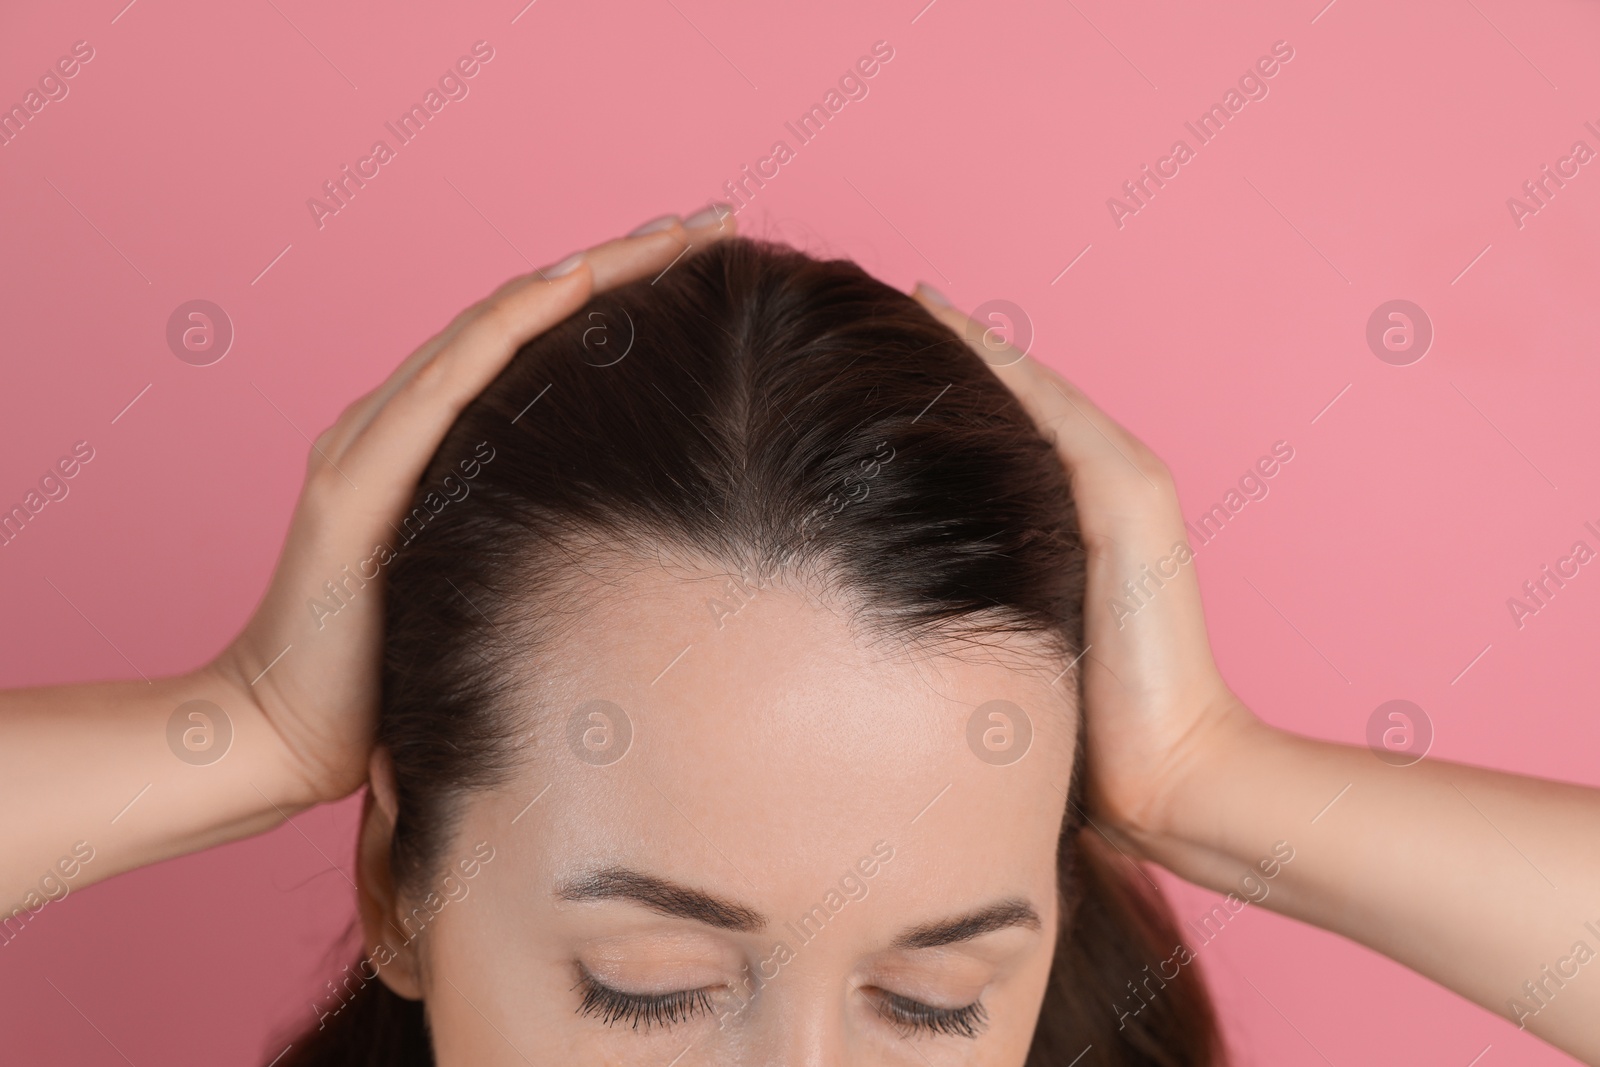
614,1007
913,1015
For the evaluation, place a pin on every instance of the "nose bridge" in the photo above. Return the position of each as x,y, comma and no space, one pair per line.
809,1027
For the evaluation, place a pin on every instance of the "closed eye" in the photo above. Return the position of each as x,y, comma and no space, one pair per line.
913,1016
613,1007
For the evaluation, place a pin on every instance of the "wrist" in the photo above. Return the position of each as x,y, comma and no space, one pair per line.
1203,827
260,752
1227,746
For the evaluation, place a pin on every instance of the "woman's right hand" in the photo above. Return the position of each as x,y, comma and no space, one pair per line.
313,674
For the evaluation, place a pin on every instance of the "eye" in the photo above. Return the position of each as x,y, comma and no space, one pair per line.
614,1007
914,1016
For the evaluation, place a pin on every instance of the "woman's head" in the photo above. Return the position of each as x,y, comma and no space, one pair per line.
727,711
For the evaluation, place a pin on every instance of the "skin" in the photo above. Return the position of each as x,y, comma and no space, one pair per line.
771,760
1417,863
1413,862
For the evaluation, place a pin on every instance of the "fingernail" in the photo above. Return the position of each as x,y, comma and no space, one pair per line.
708,216
566,266
933,295
654,226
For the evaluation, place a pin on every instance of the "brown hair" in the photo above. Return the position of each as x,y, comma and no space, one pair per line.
734,407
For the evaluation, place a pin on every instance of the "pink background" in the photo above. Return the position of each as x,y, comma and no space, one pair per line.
1224,316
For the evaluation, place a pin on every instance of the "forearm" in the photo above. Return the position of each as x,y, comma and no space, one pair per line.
1481,881
100,771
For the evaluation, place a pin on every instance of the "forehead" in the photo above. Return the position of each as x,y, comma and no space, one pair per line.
736,735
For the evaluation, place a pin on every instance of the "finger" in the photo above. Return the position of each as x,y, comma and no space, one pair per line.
650,249
1094,446
388,456
651,255
715,216
360,413
1127,506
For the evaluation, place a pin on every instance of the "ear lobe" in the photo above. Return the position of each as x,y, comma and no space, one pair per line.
387,946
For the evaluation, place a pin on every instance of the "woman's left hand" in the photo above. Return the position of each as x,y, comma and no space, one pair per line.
1157,705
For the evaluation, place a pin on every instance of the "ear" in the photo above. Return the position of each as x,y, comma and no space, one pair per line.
387,945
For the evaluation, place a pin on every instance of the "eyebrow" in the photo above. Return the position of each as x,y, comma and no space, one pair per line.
660,895
683,902
1002,916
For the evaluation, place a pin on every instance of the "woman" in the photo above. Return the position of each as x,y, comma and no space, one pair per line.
722,705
